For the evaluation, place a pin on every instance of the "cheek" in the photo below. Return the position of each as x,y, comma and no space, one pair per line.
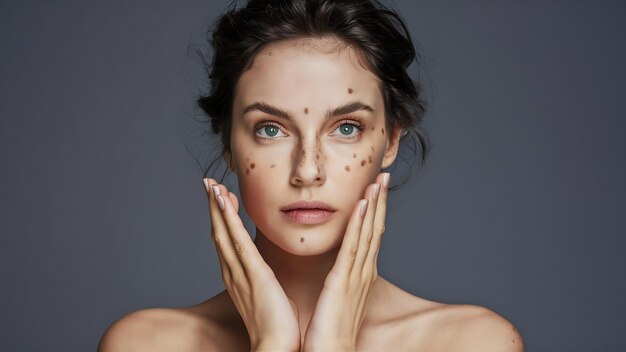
257,175
355,165
359,159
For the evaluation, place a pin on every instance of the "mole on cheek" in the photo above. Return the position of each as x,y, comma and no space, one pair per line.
301,239
272,166
383,131
252,166
369,159
354,155
306,110
362,162
349,90
317,156
347,168
247,171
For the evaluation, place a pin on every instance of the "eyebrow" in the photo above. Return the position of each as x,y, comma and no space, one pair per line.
340,110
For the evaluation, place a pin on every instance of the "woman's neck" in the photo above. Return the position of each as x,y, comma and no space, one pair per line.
301,277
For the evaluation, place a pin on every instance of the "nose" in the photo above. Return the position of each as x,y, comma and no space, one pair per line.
307,170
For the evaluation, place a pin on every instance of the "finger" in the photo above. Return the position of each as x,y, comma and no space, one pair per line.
242,244
230,264
379,224
365,236
234,200
226,274
348,251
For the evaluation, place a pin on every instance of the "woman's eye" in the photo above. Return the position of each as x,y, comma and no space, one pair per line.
268,131
349,129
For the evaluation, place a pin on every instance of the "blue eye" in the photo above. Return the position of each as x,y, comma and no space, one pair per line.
346,129
349,129
270,130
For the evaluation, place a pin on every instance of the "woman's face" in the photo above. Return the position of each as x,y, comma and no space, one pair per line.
308,124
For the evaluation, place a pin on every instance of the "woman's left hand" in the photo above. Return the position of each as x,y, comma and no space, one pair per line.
340,307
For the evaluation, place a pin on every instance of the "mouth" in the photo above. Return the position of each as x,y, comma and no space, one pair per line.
312,212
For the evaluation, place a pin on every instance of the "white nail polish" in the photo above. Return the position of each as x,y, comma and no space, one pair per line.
363,207
216,190
386,180
375,190
220,202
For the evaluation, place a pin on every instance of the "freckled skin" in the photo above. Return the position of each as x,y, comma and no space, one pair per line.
305,159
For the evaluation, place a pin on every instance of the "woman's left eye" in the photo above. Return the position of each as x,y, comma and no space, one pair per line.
349,129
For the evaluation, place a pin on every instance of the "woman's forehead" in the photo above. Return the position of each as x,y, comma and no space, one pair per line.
307,71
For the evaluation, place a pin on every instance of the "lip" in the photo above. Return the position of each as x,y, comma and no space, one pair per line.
307,205
308,212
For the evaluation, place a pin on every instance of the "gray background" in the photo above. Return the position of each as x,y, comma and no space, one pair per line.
519,208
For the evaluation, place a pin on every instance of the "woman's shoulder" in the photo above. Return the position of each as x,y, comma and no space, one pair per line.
168,329
467,327
153,329
422,324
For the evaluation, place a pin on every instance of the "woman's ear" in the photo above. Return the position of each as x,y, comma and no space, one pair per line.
391,150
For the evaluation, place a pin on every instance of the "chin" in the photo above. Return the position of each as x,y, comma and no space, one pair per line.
307,241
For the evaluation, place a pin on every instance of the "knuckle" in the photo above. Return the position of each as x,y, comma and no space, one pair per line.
238,248
353,253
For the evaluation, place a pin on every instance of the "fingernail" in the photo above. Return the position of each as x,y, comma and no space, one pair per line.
386,180
220,201
206,183
216,190
363,207
375,190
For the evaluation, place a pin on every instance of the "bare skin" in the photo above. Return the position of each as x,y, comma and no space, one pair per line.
308,287
398,321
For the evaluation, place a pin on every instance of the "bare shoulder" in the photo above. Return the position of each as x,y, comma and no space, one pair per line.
212,325
156,329
465,327
401,321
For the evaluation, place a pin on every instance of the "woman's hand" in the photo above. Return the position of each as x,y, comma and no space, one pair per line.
340,307
269,315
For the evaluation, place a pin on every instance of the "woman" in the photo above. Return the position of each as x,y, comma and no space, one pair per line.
310,100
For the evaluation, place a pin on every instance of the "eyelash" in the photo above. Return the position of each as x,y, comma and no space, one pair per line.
359,126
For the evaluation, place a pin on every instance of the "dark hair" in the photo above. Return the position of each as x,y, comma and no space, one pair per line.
377,33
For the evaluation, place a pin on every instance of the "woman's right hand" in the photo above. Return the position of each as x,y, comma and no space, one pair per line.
270,316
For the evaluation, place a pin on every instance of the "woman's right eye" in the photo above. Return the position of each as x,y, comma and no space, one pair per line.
268,130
